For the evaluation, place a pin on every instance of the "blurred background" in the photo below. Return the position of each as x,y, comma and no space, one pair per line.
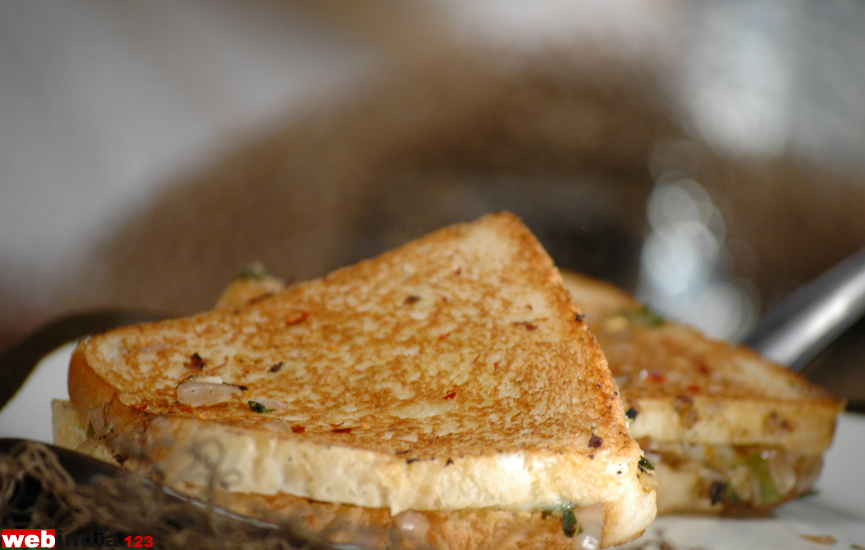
708,156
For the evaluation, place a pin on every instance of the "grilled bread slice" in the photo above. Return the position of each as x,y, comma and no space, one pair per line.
731,430
450,381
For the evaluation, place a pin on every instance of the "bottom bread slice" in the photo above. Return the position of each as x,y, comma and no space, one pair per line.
376,528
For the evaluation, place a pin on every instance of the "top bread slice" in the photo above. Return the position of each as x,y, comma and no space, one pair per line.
452,373
690,388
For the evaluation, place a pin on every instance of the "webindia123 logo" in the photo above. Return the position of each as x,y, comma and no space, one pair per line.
51,538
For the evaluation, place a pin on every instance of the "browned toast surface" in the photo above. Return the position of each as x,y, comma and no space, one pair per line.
416,351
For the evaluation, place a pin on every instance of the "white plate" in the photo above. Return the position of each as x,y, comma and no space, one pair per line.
837,510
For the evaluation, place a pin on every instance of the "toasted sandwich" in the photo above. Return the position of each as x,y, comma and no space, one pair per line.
728,431
446,394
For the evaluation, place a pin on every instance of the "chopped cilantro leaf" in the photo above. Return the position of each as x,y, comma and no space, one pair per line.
644,316
258,407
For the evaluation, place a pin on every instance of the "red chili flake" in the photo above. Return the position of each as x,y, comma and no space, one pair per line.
411,299
139,406
694,388
444,336
298,429
656,377
458,271
530,326
195,362
341,430
297,318
595,441
704,369
496,364
184,408
451,394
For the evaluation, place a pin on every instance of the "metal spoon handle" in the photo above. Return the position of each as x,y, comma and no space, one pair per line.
793,333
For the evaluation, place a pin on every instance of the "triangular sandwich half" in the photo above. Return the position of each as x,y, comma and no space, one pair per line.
447,391
728,430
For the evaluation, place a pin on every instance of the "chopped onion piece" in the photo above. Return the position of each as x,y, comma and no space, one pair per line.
202,378
272,403
204,394
154,347
96,416
412,522
591,520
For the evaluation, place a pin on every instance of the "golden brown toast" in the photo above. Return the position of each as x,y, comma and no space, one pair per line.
450,374
730,428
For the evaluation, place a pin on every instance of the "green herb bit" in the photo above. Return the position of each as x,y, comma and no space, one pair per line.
769,493
645,465
733,495
258,407
723,492
90,432
569,520
644,316
255,271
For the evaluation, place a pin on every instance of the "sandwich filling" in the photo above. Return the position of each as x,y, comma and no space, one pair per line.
712,478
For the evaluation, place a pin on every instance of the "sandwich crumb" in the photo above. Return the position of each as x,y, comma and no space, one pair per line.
821,539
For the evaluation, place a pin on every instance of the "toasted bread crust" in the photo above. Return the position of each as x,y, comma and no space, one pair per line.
460,353
87,389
